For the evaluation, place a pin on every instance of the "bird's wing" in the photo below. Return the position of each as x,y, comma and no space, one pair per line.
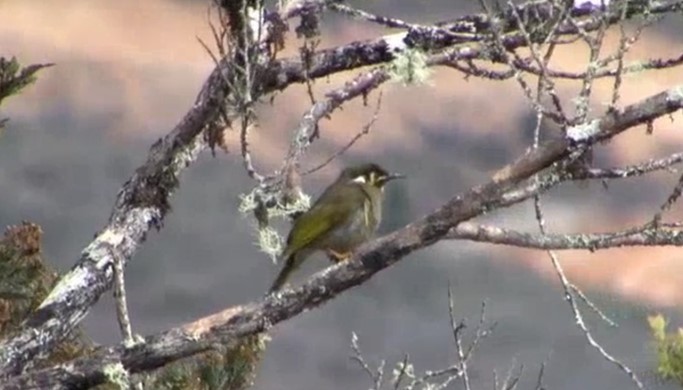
323,216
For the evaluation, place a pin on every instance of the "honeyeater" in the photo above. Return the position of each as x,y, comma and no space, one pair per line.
346,215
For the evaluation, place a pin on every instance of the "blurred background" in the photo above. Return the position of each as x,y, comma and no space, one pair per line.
127,71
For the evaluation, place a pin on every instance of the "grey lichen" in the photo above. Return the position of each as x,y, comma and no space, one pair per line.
410,67
270,242
249,203
117,374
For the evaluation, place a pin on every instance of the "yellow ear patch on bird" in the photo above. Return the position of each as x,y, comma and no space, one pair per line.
360,179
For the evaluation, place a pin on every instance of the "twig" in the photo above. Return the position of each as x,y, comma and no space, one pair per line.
673,197
402,372
307,50
641,236
364,15
625,44
120,298
592,306
510,57
457,328
359,135
511,381
652,165
545,83
578,320
539,379
569,288
594,46
357,356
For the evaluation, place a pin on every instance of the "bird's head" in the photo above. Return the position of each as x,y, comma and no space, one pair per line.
370,174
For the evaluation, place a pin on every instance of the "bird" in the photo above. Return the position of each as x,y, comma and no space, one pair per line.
345,215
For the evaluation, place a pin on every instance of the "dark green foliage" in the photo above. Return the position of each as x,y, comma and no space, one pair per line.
25,280
221,369
14,78
669,349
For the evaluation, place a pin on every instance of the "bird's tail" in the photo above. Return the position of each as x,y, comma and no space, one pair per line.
290,265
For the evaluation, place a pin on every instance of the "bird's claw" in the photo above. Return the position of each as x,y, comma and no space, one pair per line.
337,257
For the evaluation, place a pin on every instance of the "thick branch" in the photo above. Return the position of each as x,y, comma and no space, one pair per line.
145,198
142,204
228,326
463,37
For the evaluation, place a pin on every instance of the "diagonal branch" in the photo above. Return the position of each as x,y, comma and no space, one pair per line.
141,205
144,200
228,326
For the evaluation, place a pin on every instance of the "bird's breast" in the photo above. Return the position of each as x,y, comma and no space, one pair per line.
358,228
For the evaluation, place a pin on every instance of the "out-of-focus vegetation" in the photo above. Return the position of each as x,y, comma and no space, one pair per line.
669,349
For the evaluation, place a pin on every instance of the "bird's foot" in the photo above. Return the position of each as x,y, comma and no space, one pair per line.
338,257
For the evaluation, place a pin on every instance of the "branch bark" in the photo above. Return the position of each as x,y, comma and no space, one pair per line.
228,326
144,200
590,241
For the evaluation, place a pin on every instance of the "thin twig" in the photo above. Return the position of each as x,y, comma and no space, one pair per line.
402,372
578,320
364,15
457,328
645,235
592,306
511,381
357,356
594,46
120,298
359,135
670,201
539,379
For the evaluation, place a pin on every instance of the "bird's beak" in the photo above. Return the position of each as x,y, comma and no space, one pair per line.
393,176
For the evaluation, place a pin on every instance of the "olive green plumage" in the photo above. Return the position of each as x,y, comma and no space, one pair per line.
346,215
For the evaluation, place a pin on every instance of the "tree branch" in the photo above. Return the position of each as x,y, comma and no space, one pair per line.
591,241
144,200
462,36
231,324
